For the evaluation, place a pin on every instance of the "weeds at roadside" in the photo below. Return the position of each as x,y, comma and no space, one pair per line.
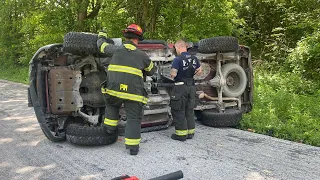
281,111
14,73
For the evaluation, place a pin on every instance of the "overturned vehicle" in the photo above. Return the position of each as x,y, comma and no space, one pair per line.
65,86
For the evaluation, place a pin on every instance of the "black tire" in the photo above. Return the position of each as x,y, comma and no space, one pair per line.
230,118
80,43
198,115
54,138
89,136
218,44
236,80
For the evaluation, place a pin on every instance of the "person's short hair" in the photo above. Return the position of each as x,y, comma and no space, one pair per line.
180,43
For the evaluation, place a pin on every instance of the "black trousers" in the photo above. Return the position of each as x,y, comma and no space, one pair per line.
182,103
134,113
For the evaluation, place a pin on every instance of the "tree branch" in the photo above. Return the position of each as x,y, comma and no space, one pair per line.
95,10
119,6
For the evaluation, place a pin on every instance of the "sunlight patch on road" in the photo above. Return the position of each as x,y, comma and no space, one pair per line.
255,176
30,143
14,100
26,169
18,118
33,127
87,177
29,169
4,164
49,166
5,140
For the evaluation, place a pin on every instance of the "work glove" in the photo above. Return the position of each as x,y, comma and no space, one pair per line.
102,35
102,39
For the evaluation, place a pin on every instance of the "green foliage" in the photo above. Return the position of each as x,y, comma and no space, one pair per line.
42,27
10,19
305,58
194,20
283,36
113,18
287,83
191,20
272,27
14,73
280,112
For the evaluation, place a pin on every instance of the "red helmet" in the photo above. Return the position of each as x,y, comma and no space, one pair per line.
133,31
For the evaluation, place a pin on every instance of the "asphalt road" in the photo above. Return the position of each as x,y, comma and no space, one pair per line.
214,153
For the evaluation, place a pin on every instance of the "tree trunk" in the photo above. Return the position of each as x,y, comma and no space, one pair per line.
145,13
82,12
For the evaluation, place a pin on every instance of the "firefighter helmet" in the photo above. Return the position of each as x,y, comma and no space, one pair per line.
133,31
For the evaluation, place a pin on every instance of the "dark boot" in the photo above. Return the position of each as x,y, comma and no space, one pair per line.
178,138
133,149
190,136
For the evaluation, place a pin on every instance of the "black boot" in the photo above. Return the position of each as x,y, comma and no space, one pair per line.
190,136
133,149
178,138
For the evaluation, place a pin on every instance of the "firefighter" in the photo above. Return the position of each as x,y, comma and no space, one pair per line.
182,98
124,85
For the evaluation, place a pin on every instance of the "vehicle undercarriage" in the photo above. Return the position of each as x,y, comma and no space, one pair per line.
66,79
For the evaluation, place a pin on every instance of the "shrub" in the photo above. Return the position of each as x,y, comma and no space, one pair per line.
280,110
305,57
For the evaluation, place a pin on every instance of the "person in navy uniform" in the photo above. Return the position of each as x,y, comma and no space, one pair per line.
182,98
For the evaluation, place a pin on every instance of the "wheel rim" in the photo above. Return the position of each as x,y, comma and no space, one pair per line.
233,81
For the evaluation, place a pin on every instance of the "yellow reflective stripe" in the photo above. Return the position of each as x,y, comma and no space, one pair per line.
130,47
123,95
149,67
110,122
191,131
103,46
103,34
103,91
125,69
128,96
181,132
132,141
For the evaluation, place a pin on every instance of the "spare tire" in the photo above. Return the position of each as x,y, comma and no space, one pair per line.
236,80
89,136
218,44
80,43
229,118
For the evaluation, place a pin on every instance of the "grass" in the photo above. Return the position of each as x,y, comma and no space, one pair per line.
14,73
283,112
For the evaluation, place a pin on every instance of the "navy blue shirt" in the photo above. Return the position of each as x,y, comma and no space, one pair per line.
181,64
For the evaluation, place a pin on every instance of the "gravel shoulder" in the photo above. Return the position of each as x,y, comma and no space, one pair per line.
214,153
